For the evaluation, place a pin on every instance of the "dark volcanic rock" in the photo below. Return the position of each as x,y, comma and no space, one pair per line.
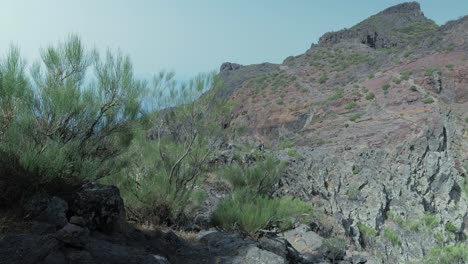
228,66
101,207
51,210
26,249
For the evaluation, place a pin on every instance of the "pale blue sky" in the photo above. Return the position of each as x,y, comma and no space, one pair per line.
193,36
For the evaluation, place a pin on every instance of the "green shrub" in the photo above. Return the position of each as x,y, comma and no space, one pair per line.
448,254
248,213
323,78
397,81
15,92
355,117
419,28
450,227
334,248
392,237
350,105
406,74
428,100
370,96
396,218
413,225
413,88
158,176
284,144
466,120
385,87
430,71
292,152
257,179
450,66
430,221
367,231
337,95
65,129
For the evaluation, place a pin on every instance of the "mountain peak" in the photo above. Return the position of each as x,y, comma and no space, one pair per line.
408,7
378,31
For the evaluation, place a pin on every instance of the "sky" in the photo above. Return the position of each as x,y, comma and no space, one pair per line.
192,36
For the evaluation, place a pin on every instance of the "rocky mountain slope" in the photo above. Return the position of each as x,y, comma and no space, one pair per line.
378,114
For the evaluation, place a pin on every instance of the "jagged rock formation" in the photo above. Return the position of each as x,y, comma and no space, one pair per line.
379,31
377,113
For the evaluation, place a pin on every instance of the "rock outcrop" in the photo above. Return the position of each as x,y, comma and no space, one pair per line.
379,31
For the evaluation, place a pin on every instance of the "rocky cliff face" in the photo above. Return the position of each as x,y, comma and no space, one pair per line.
378,114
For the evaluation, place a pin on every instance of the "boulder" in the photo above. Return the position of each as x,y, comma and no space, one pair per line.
73,235
259,256
100,206
280,247
50,210
303,240
229,66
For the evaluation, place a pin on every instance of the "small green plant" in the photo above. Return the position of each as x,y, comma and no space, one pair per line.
370,96
350,106
356,86
249,213
323,78
279,101
430,221
366,230
413,88
337,95
466,120
284,144
392,237
396,218
355,117
428,100
365,90
406,74
450,66
430,71
397,81
448,254
334,248
413,225
292,152
371,76
385,87
450,227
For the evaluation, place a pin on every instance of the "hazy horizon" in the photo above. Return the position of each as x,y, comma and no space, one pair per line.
192,36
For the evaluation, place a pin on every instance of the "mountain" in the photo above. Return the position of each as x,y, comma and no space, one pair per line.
378,114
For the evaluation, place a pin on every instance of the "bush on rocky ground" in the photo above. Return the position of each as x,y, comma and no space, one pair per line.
63,126
250,208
